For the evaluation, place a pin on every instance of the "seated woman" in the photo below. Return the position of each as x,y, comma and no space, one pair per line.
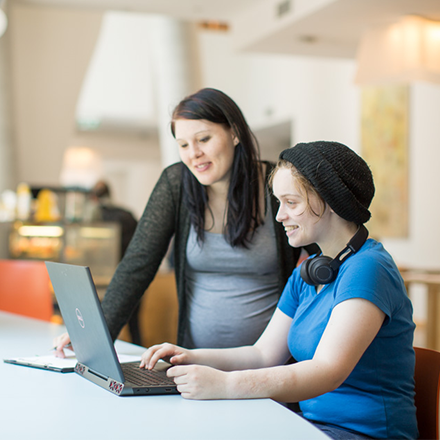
344,314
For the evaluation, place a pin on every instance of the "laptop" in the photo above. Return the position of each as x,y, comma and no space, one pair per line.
96,357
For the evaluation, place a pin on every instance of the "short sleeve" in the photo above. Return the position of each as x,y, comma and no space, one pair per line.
371,279
289,300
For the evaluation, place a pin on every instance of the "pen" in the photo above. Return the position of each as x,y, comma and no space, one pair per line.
69,345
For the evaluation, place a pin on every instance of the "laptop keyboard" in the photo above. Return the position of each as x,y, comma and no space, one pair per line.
142,377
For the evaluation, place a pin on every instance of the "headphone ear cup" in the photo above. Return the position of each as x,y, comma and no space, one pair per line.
304,271
324,270
318,270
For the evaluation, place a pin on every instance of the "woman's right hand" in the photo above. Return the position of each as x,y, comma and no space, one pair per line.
61,342
168,352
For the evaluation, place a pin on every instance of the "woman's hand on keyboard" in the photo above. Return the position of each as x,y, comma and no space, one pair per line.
168,352
200,382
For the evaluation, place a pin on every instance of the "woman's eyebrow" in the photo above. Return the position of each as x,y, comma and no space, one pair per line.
195,134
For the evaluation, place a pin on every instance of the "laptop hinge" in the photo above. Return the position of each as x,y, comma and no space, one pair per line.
110,384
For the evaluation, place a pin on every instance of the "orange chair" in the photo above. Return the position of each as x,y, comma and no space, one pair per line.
427,386
25,289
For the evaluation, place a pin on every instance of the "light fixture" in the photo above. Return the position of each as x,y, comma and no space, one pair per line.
405,51
40,231
82,167
214,25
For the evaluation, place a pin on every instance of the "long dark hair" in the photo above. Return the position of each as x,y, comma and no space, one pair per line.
243,213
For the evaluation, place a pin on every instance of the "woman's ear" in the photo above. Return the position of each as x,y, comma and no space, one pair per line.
235,139
328,207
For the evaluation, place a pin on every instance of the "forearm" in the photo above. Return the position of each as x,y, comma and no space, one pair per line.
143,256
130,281
229,359
336,356
286,383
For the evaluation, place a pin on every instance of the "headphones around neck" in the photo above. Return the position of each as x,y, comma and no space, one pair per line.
324,270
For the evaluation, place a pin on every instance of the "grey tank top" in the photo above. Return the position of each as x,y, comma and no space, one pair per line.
231,292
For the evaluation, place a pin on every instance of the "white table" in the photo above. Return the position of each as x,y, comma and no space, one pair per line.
37,404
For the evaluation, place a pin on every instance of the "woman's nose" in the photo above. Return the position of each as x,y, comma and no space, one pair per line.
281,214
195,151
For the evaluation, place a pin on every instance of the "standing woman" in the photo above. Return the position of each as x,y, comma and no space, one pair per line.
231,258
344,315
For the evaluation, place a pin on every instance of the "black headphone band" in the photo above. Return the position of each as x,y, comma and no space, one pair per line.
352,247
323,270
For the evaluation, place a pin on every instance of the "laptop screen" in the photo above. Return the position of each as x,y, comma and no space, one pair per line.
82,314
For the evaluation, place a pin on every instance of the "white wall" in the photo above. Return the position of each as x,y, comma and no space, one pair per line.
7,162
319,97
421,248
51,49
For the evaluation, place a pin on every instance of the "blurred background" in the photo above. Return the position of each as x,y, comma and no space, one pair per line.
87,88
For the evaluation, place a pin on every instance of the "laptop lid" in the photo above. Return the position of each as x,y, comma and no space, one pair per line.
82,314
91,340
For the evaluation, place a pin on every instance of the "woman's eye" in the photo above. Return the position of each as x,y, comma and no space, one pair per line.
183,145
205,139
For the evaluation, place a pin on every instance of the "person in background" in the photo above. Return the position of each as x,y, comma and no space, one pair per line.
231,258
344,314
107,211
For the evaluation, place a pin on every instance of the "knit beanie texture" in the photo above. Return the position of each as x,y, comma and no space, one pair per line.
341,177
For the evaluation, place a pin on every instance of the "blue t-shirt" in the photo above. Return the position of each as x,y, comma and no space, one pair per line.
377,398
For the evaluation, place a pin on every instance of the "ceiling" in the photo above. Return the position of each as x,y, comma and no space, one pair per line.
322,28
335,28
222,10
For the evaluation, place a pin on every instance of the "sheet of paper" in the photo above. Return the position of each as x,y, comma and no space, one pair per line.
46,361
128,358
66,365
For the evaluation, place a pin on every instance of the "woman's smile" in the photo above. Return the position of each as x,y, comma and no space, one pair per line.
289,229
202,167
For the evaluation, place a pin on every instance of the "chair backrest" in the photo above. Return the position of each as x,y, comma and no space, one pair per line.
427,386
25,289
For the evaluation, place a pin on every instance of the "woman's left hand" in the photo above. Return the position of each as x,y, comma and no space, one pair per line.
199,382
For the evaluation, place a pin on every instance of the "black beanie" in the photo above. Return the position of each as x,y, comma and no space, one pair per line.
339,175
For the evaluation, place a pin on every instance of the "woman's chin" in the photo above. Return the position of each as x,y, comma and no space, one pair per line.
296,242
